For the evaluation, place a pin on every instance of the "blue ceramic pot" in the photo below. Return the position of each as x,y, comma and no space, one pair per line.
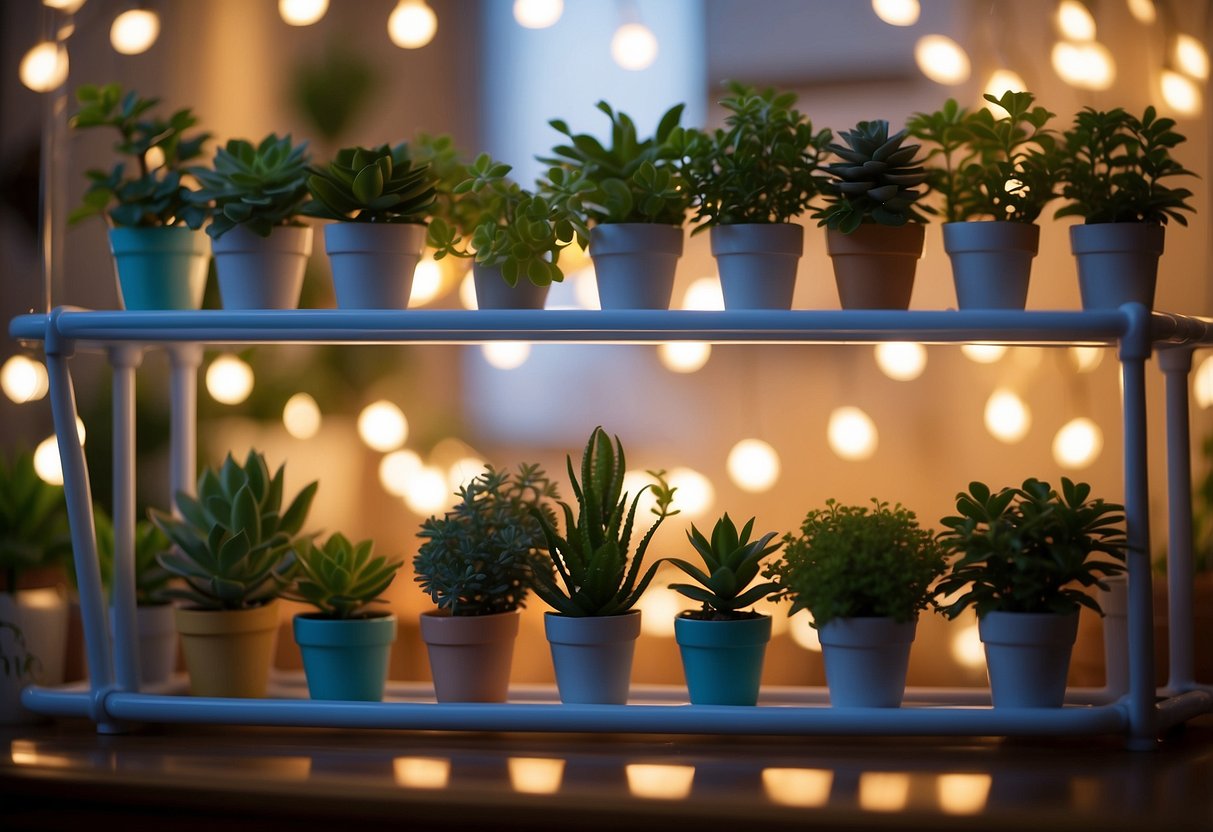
160,268
592,656
722,660
345,659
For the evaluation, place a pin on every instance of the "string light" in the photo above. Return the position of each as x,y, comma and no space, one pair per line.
229,380
659,606
506,355
382,426
897,12
852,433
1074,21
684,356
901,360
1202,383
1180,92
44,67
1087,66
467,292
1077,444
942,59
47,463
1007,417
705,294
1002,80
1143,11
802,631
538,14
633,482
634,46
427,281
1191,57
695,493
301,416
1086,359
753,465
984,353
427,490
134,31
23,379
966,647
412,24
65,6
397,469
302,12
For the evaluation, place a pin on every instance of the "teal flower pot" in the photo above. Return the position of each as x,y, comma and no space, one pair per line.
160,268
722,660
345,659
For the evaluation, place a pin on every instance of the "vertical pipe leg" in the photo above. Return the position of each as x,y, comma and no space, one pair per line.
185,360
1176,365
124,359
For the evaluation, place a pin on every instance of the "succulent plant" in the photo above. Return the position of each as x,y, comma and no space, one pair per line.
876,180
257,187
482,556
152,195
341,579
151,579
233,545
598,574
33,520
379,184
458,212
733,562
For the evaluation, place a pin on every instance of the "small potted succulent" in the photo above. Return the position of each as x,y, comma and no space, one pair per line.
159,254
380,199
995,174
722,644
598,579
1112,171
478,564
750,182
628,202
1026,558
864,574
255,194
346,644
875,227
234,548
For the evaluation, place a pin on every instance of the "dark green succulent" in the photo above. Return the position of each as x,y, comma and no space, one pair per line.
876,180
259,188
341,579
378,185
33,520
733,562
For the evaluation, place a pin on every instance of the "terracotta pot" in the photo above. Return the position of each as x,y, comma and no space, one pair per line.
262,272
757,263
470,655
991,262
492,292
874,265
228,652
634,264
1117,262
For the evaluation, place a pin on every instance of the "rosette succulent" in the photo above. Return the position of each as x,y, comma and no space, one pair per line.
377,185
876,180
341,579
258,187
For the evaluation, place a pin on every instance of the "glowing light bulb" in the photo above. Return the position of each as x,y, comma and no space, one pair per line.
464,470
695,492
967,649
901,360
1003,80
537,14
1191,56
941,59
154,157
47,464
427,282
684,356
23,379
1143,11
585,288
659,606
229,380
302,12
301,416
397,469
802,631
134,31
983,353
1087,66
427,491
467,292
382,426
1180,92
536,775
753,465
1074,21
633,481
1202,384
506,355
852,433
412,24
1077,444
1086,359
65,6
44,67
1007,417
897,12
704,293
634,46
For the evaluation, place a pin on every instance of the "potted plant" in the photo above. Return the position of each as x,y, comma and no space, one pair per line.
478,564
1112,173
1025,559
261,248
346,644
722,645
234,547
995,174
628,202
864,574
750,181
874,226
598,579
380,199
160,256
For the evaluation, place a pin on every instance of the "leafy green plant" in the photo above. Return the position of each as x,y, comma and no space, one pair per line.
990,167
1113,165
483,556
33,520
859,562
379,185
732,564
1024,549
151,579
258,187
234,546
339,578
876,180
763,168
598,574
153,193
454,215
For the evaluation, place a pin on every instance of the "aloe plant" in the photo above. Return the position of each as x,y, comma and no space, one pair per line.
341,579
732,564
374,185
258,187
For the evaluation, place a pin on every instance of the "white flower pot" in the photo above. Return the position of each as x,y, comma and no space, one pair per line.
757,263
262,272
1028,657
866,660
634,264
592,656
1117,262
373,263
492,292
991,262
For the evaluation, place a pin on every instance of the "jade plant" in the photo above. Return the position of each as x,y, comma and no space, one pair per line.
1030,549
731,563
151,579
483,556
234,545
259,187
876,180
147,190
987,166
341,579
596,571
372,185
859,562
33,521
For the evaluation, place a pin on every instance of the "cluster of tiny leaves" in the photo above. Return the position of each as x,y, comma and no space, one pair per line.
875,180
33,520
859,562
151,579
341,579
379,185
1030,549
258,187
483,555
732,562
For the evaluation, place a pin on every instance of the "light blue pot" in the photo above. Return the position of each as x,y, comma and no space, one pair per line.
160,268
722,660
592,656
345,659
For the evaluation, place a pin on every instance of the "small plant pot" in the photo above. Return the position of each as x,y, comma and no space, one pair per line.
874,266
160,268
866,660
492,292
1028,657
991,262
373,263
592,656
470,655
37,655
157,643
262,272
757,263
228,652
634,264
1117,262
722,660
345,658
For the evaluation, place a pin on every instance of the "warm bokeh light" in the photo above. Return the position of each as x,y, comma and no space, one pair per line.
1086,359
1191,56
804,787
464,470
396,470
412,24
134,31
695,493
897,12
1074,21
1007,418
633,481
427,491
302,12
538,14
1002,80
1078,443
506,355
382,426
705,294
634,46
23,379
852,433
422,772
684,356
1088,66
47,463
963,794
1202,382
1143,11
467,292
65,6
802,631
659,782
536,775
942,59
984,353
301,416
585,288
901,360
753,465
154,157
229,379
966,647
660,605
427,282
44,67
1181,93
884,791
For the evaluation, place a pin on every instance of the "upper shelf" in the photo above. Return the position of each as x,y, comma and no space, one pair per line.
430,326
